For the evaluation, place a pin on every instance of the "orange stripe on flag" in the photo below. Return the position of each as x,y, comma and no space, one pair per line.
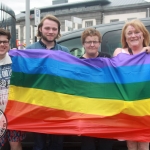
28,117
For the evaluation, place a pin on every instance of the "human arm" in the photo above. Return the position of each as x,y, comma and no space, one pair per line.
146,49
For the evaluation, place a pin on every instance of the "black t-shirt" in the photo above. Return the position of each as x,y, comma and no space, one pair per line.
100,54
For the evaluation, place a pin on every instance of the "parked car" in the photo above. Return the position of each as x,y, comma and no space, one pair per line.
111,35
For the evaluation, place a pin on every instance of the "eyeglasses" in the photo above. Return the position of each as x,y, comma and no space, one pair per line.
4,42
90,42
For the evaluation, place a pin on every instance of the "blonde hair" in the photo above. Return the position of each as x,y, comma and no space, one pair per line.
138,25
90,32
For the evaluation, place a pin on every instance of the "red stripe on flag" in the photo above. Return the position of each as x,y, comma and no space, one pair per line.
32,118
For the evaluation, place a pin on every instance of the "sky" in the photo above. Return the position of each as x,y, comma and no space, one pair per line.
20,5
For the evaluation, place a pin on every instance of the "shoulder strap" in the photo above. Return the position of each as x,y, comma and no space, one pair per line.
130,51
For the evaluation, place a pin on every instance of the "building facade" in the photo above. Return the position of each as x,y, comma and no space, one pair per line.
92,12
55,2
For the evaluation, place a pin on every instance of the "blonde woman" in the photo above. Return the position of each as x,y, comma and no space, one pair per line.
135,37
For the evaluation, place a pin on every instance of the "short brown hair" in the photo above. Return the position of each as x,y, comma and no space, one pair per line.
5,32
49,17
90,32
138,25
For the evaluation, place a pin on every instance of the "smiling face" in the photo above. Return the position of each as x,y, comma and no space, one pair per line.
49,31
4,46
134,37
91,46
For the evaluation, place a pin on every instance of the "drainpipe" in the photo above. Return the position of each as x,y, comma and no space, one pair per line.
147,12
102,18
27,22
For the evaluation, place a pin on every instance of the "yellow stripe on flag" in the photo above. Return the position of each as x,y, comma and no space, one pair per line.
102,107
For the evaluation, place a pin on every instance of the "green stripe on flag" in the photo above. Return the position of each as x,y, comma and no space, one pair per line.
81,88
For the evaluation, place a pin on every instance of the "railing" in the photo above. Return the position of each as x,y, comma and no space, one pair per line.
8,22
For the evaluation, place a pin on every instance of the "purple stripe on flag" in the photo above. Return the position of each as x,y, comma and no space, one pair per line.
118,61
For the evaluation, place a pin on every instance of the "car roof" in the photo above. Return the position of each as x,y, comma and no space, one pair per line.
103,28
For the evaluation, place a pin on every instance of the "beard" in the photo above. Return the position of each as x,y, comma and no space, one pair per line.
47,40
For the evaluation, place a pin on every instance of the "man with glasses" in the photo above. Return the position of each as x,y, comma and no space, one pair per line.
91,40
14,137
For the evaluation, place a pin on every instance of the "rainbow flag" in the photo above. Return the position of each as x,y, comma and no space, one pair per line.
57,93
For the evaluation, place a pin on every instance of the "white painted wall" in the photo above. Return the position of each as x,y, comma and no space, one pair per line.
123,17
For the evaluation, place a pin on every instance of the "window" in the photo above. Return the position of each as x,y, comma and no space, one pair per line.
88,23
79,26
111,41
130,19
62,27
114,20
148,28
70,29
75,46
